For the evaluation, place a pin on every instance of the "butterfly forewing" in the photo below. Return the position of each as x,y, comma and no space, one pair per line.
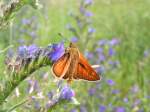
85,71
61,66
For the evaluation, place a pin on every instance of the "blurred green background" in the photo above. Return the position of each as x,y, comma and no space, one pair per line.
126,20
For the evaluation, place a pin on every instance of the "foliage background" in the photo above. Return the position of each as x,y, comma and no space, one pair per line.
126,20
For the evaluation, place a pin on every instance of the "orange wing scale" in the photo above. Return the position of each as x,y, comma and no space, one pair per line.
85,71
61,66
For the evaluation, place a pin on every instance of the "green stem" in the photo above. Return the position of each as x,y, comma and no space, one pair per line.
16,78
17,105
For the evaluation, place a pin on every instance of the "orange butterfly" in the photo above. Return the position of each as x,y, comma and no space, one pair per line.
73,65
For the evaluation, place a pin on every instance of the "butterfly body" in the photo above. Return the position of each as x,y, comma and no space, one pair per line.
72,65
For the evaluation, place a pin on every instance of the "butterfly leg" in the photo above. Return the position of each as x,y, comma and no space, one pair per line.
70,79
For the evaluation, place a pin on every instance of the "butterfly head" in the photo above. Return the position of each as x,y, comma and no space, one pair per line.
72,45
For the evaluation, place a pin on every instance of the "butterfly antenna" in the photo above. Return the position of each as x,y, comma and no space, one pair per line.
64,38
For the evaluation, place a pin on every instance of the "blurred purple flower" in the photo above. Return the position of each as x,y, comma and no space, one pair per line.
10,53
83,109
115,91
102,108
91,91
111,52
88,14
101,69
57,51
33,34
89,55
36,86
21,41
32,49
91,30
147,97
82,10
135,88
125,100
73,110
50,95
33,86
22,51
110,82
101,57
99,50
120,109
74,39
67,93
102,42
88,2
114,41
26,21
36,104
146,53
114,64
137,102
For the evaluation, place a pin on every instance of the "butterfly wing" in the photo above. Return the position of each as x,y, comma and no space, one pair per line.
61,66
85,71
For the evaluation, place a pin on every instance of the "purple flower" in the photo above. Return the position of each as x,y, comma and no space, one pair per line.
89,55
26,21
146,53
102,108
10,53
82,10
73,110
99,50
113,63
148,97
74,39
83,109
91,30
137,102
114,41
120,109
50,94
22,51
36,104
111,52
67,93
110,82
102,42
57,51
32,34
101,69
115,91
21,41
135,89
101,57
88,2
92,91
88,14
125,100
32,49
